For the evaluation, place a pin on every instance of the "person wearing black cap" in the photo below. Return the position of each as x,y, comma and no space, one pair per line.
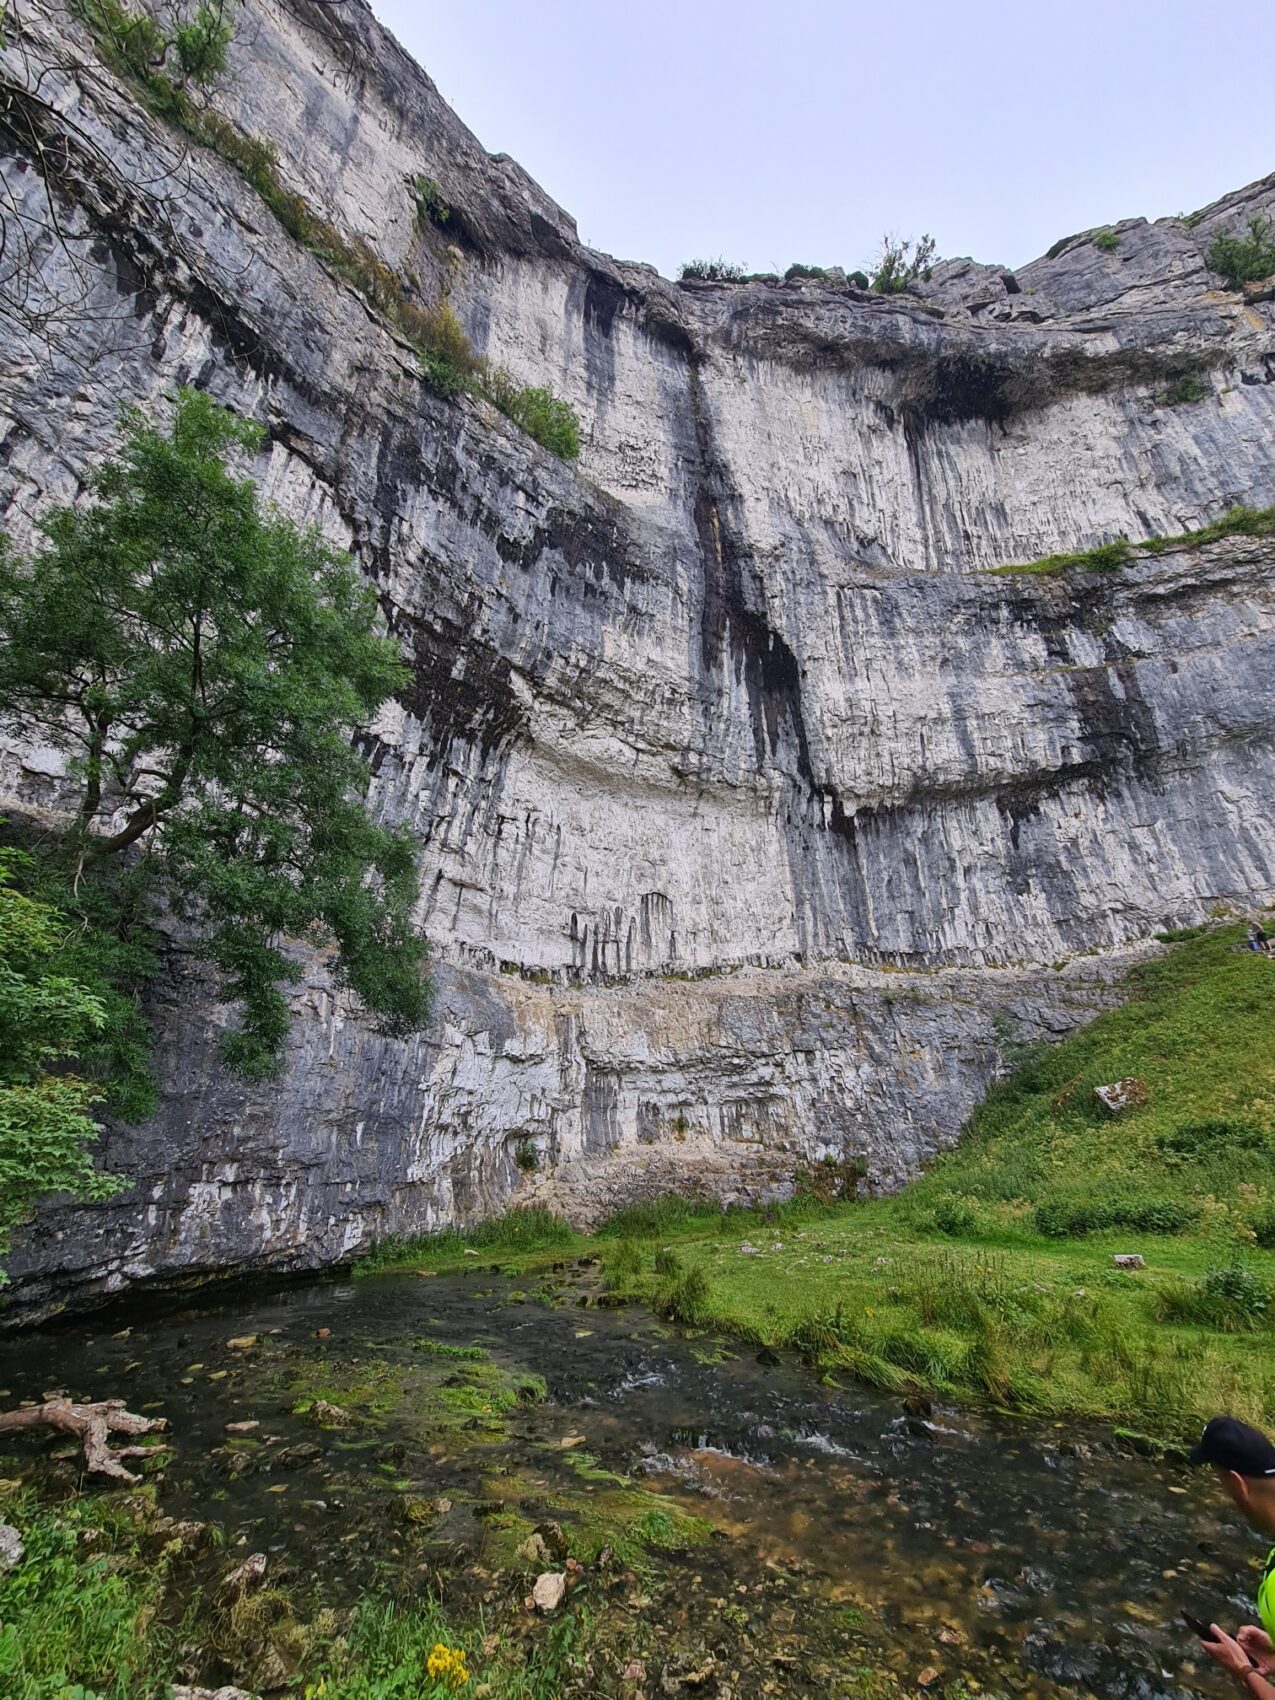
1243,1460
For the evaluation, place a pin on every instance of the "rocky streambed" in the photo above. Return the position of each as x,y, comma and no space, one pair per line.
712,1522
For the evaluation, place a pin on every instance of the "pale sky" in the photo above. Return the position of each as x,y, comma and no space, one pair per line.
673,129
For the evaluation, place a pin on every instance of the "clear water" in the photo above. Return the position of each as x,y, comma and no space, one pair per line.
848,1534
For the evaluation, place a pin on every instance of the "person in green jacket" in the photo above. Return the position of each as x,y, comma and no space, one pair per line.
1243,1460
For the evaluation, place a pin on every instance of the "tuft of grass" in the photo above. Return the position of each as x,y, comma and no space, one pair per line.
1107,241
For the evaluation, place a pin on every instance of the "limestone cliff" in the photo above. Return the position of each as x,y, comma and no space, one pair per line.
710,735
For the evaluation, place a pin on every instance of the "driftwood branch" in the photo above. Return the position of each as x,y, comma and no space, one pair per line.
94,1424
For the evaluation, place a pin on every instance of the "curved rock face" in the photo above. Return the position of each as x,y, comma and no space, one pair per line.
706,733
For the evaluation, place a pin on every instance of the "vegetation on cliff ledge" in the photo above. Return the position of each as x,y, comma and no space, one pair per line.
170,60
1237,522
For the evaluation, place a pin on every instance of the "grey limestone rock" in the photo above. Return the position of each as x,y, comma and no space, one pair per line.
754,811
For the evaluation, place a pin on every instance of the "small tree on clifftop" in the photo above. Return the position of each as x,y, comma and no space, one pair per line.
206,663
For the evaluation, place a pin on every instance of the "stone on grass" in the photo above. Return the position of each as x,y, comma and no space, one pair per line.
533,1552
183,1693
243,1342
11,1547
1127,1094
550,1590
1129,1260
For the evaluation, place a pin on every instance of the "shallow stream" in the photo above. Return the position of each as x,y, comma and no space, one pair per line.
848,1544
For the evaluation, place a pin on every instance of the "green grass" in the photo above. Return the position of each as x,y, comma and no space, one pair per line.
93,1612
528,1228
78,1614
1238,522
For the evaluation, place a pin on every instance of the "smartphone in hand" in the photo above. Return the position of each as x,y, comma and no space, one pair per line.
1197,1626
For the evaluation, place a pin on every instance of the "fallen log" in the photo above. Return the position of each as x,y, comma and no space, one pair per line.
94,1424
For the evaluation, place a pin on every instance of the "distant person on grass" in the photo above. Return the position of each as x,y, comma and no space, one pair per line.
1257,939
1243,1460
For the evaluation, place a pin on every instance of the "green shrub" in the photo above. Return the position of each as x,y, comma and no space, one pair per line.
902,262
1233,1300
954,1217
795,272
1264,1230
1185,390
1244,259
431,208
201,44
1211,1137
526,1156
712,271
860,280
544,416
1107,240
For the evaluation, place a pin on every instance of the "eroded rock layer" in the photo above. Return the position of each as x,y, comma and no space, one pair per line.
705,734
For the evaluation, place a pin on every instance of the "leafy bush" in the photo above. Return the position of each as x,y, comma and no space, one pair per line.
860,280
712,271
902,262
797,272
526,1156
1185,390
431,208
954,1217
1244,259
201,43
47,1017
1233,1300
1107,240
544,416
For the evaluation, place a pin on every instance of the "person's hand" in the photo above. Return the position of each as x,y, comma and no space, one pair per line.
1257,1644
1226,1651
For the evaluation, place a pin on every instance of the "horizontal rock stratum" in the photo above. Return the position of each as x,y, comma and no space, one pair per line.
755,813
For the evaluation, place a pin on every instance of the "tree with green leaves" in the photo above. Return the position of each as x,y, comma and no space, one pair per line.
47,1016
205,664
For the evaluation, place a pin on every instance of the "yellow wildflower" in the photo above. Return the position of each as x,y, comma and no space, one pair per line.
447,1664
